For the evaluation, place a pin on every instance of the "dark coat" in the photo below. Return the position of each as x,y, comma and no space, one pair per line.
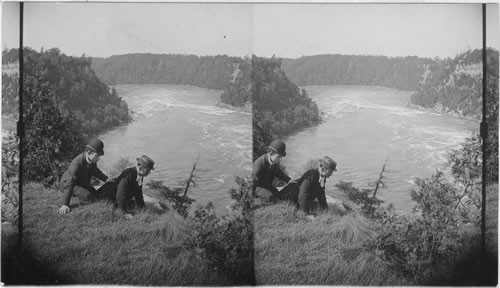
305,191
79,173
123,189
264,173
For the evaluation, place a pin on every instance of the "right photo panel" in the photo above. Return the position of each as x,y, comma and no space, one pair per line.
367,149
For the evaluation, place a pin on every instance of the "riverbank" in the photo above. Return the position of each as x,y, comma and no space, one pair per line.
94,244
439,109
247,108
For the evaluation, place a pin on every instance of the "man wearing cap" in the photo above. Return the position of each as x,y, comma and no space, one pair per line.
76,179
129,185
312,185
265,168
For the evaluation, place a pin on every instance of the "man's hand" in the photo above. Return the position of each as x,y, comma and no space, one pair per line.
293,181
129,216
110,180
64,209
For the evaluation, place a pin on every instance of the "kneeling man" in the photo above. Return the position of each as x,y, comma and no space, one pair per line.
129,185
265,168
76,179
311,186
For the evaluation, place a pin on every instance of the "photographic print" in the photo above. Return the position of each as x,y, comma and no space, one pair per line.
136,170
368,115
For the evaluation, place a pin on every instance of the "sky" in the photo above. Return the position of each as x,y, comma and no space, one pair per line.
283,30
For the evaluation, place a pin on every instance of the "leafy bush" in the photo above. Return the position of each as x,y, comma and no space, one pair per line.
226,242
10,178
361,197
51,139
417,244
181,203
430,238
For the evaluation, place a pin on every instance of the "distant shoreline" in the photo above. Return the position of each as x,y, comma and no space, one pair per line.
442,111
246,109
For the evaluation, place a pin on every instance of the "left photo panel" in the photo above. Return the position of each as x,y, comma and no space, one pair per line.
136,147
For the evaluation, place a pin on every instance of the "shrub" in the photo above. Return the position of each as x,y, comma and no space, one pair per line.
50,139
417,244
226,242
181,203
10,178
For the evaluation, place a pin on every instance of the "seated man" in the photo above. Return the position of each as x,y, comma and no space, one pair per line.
311,186
129,185
76,179
265,168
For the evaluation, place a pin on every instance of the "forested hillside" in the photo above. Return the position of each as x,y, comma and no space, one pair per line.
399,73
10,88
73,88
64,103
238,92
210,72
279,106
453,85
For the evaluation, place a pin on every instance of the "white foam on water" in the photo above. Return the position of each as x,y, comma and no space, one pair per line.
336,109
221,179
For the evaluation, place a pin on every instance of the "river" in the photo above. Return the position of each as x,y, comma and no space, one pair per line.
174,125
366,127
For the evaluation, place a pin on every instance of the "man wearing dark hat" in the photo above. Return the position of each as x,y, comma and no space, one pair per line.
311,186
76,179
265,168
129,185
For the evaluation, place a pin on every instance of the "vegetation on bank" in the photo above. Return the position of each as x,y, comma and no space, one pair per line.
10,179
211,72
162,245
10,92
401,73
64,103
96,245
238,91
367,243
455,85
69,85
279,106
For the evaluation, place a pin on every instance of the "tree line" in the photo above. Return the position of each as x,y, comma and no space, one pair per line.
210,72
393,72
454,85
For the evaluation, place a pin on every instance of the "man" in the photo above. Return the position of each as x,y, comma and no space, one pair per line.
76,179
129,185
311,186
265,168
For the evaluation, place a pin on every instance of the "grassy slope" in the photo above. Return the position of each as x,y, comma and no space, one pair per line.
291,249
94,245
